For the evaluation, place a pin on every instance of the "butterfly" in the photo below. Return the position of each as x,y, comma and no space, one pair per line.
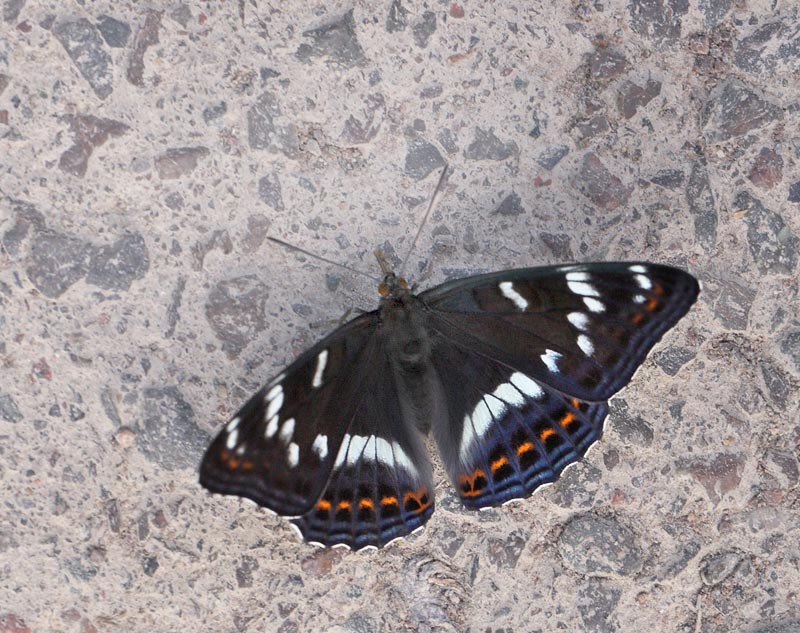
511,372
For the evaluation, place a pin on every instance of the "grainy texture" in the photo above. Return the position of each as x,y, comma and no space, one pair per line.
146,153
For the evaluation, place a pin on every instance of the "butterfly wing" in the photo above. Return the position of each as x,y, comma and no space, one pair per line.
326,442
280,448
582,330
528,359
380,488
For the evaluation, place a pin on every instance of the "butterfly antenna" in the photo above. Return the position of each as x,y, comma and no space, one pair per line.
424,218
292,247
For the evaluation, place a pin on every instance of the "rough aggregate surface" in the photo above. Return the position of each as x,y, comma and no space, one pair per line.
148,150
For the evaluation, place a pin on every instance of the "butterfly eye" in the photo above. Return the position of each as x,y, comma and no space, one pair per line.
383,289
403,284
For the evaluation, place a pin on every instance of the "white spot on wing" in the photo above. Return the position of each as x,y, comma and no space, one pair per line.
343,449
401,459
383,452
509,394
643,281
322,361
586,345
550,359
582,288
507,288
475,427
357,445
273,392
240,450
272,427
293,455
320,446
276,403
233,424
579,320
527,386
496,406
287,430
231,441
577,276
637,268
594,305
639,299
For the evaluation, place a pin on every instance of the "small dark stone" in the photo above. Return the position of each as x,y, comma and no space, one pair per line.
257,227
267,73
174,200
511,205
631,428
116,266
173,310
577,487
11,10
422,158
794,192
595,545
145,37
734,110
588,129
598,184
424,28
631,97
715,11
269,190
150,565
244,571
27,220
89,132
669,178
790,345
551,156
673,358
767,169
778,383
678,561
336,42
110,408
559,245
596,601
606,64
235,309
718,474
214,111
9,410
772,244
658,20
219,239
397,19
783,466
448,140
57,261
76,413
265,131
167,433
718,567
784,625
361,623
486,146
731,301
114,518
4,81
179,161
700,199
769,47
504,553
82,41
115,32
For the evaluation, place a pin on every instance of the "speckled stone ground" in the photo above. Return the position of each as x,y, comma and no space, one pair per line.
148,149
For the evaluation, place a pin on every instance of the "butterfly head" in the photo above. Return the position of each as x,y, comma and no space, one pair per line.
393,288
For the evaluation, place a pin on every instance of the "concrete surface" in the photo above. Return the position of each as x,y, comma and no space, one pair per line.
147,149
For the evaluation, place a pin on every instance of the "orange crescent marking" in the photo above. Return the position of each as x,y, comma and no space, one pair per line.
343,505
651,304
524,448
637,318
565,421
247,466
389,501
499,463
324,505
233,463
546,433
366,503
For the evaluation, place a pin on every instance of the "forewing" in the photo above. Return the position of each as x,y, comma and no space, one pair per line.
581,330
280,448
